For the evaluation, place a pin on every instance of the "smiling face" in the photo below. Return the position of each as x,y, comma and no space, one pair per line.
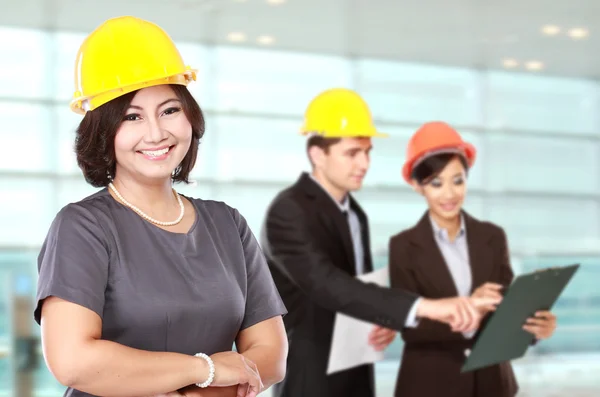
154,136
443,183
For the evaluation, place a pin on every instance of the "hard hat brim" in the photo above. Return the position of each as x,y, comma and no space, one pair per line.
325,134
81,105
465,149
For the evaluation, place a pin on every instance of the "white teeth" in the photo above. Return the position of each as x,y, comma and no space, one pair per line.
156,153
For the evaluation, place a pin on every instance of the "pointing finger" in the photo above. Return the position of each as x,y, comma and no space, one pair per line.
493,286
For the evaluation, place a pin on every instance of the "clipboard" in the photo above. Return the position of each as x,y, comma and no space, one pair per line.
503,338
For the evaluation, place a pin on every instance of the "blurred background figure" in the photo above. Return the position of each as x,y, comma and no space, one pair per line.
517,79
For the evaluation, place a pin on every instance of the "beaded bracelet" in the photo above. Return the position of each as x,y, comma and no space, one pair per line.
211,370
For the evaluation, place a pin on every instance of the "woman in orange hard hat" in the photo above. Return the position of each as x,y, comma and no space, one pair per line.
449,253
143,291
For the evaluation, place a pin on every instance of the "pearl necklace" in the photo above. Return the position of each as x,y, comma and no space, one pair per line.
147,217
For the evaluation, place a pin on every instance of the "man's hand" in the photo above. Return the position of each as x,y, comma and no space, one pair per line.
488,290
462,314
380,337
542,325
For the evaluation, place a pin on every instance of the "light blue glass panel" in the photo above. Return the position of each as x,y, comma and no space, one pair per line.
541,225
542,163
6,379
251,201
23,70
20,270
198,57
66,124
259,149
25,130
542,103
64,53
26,210
70,190
415,93
249,80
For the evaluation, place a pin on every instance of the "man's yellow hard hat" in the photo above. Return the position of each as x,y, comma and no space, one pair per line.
122,55
339,113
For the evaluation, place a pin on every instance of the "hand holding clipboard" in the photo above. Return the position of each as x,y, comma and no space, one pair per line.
503,337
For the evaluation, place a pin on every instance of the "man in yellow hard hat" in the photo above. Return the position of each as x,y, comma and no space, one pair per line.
316,240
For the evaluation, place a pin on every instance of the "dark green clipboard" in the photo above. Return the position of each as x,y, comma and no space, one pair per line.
503,337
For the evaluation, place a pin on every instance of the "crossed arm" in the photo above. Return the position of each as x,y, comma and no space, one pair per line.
265,344
79,358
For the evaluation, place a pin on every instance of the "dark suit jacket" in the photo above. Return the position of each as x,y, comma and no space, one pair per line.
433,354
307,242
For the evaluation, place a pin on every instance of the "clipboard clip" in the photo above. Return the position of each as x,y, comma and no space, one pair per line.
537,272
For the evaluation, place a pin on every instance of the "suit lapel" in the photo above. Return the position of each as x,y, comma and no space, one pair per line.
364,233
433,261
481,256
331,217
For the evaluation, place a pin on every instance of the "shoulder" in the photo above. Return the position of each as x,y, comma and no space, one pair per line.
84,223
220,217
214,207
218,211
286,201
489,229
404,237
87,211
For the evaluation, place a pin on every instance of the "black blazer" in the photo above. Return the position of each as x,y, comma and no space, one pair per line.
307,242
433,354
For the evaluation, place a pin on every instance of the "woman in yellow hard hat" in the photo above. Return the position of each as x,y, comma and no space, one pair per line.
143,291
449,253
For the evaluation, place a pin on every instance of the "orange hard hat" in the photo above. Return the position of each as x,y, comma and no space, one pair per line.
434,138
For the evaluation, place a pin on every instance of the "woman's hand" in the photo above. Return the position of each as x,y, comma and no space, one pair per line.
193,391
542,326
488,290
233,369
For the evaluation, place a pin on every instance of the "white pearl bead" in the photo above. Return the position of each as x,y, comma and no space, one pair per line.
147,217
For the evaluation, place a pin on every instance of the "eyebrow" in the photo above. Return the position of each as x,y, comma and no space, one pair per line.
357,149
159,105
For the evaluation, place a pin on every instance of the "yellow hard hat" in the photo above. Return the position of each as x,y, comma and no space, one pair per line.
122,55
339,113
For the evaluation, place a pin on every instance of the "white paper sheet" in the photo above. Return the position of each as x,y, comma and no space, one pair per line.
350,344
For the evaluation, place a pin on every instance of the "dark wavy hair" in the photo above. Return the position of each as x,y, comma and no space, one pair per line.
95,137
432,166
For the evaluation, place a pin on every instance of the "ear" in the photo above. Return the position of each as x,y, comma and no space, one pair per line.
317,156
416,187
